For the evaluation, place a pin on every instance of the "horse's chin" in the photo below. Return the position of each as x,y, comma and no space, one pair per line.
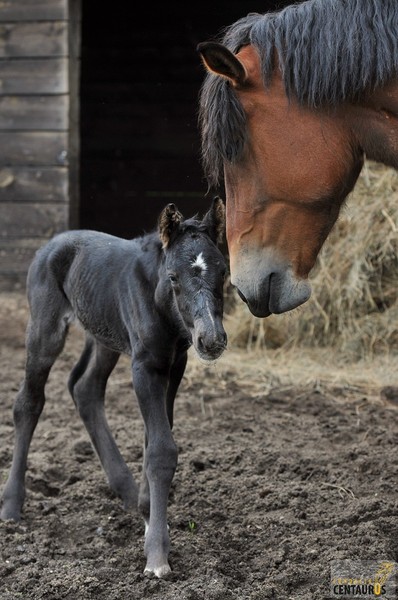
294,295
258,311
263,308
276,304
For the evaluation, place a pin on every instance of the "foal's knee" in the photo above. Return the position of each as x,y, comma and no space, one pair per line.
160,466
84,390
161,460
80,368
83,402
28,404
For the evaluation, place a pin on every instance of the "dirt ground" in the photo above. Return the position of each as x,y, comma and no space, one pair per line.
275,480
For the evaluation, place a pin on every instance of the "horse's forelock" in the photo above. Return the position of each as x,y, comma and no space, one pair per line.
223,126
221,117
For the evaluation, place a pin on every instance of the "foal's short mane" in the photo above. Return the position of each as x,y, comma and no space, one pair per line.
329,51
193,224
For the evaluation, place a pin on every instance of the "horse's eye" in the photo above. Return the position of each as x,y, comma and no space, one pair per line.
173,278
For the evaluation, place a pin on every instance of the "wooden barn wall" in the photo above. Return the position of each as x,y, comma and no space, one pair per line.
38,128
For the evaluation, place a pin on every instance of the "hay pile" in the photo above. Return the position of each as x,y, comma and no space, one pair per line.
354,304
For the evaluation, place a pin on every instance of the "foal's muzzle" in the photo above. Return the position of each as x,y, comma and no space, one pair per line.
209,342
210,350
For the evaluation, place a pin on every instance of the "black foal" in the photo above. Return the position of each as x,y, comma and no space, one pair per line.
151,298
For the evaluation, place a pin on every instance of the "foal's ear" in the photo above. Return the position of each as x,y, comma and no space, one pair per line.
219,60
214,220
169,221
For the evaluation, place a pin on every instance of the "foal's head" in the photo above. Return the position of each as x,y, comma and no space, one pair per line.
196,269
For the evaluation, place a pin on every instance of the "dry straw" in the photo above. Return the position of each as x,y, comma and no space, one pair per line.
354,304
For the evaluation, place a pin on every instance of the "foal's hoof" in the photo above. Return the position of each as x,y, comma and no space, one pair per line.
160,572
130,504
9,513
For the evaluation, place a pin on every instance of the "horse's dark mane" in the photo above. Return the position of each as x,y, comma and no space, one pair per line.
329,51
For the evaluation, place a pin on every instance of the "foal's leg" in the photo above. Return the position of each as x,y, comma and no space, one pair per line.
45,339
176,374
87,385
160,462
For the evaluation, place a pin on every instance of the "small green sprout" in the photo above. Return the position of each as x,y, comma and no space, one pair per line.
192,526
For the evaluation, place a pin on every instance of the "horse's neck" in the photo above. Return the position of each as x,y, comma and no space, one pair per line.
374,122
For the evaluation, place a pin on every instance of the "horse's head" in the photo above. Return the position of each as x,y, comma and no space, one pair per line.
196,271
287,170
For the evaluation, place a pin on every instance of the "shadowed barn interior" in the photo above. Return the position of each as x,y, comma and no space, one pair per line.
140,80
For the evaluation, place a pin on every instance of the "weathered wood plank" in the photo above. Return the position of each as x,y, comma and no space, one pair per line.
24,184
17,254
33,148
34,76
75,18
34,112
33,39
32,220
12,281
15,258
33,10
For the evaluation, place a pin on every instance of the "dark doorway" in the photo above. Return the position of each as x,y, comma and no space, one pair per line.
140,80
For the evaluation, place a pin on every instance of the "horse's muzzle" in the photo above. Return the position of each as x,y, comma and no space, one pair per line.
275,293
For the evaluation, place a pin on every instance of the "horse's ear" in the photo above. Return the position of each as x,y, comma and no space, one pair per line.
169,221
219,60
214,220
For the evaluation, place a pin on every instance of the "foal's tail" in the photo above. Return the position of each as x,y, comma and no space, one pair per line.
80,366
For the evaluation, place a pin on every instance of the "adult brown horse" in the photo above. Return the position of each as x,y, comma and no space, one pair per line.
292,103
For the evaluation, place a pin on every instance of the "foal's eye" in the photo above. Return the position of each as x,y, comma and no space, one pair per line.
173,278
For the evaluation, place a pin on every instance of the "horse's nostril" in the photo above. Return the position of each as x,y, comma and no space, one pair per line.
201,345
241,296
224,339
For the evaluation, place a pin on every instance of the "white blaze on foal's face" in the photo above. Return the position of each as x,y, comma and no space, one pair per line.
199,263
